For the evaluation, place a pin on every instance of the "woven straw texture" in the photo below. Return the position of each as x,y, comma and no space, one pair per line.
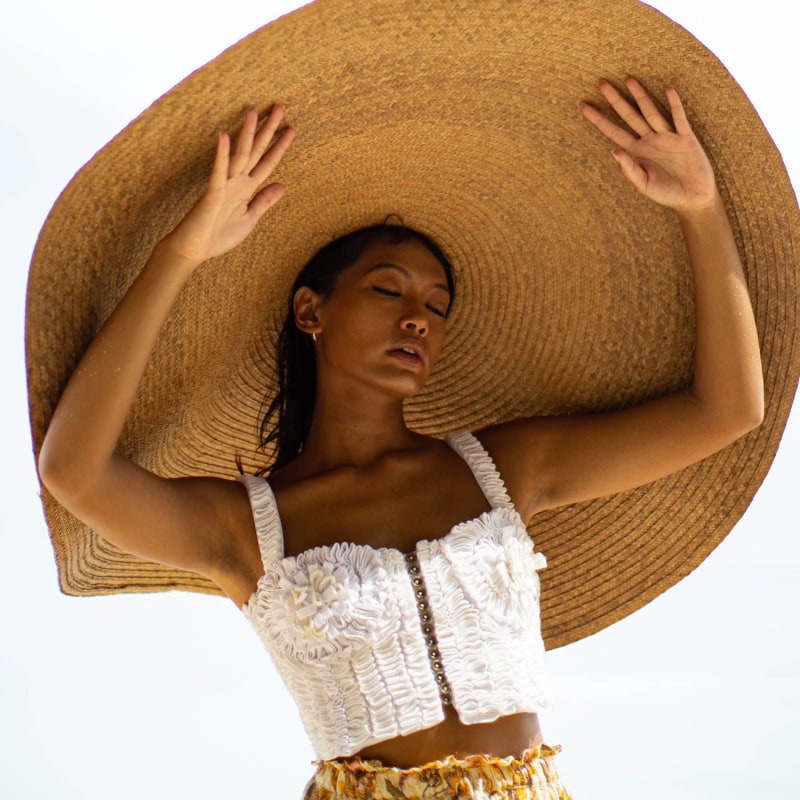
574,292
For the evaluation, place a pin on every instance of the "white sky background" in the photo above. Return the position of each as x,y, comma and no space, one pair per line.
171,695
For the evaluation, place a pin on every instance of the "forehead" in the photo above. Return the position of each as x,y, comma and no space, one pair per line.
411,256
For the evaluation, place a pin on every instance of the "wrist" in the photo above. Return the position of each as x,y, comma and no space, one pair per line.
702,209
166,254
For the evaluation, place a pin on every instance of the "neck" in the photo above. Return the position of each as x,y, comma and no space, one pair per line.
354,428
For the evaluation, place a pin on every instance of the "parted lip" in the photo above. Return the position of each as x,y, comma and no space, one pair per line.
414,345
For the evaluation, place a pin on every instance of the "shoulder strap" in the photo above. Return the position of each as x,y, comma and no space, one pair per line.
482,466
266,518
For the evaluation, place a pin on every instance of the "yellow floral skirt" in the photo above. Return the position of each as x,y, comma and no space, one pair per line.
532,777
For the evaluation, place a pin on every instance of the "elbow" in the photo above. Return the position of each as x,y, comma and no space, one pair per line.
71,469
757,411
751,406
53,470
751,398
60,475
729,419
753,417
745,417
729,413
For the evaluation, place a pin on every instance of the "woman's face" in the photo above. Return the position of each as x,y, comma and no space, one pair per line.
383,325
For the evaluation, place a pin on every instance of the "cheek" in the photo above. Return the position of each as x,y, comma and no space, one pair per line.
349,336
436,340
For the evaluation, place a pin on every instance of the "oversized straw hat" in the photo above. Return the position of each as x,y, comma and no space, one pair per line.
573,294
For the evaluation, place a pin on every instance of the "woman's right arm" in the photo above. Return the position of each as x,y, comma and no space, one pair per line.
185,522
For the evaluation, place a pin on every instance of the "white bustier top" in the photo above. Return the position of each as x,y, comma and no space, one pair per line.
372,642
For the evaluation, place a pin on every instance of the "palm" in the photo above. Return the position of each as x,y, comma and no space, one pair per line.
662,159
222,218
232,204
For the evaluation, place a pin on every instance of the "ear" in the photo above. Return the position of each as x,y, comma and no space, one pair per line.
306,304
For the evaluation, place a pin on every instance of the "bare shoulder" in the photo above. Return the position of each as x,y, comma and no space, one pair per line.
235,565
228,501
519,450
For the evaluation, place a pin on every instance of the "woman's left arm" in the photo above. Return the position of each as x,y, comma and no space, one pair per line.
553,461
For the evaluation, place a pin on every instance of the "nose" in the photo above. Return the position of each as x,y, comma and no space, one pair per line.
415,324
415,317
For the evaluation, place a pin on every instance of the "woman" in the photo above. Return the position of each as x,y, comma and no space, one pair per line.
376,331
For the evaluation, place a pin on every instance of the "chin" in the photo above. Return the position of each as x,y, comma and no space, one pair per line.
404,389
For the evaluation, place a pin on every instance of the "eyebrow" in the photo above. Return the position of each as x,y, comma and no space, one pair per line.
388,265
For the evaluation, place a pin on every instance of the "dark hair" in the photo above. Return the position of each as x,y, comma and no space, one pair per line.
288,416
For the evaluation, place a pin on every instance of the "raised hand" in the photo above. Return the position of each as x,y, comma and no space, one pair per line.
662,159
231,204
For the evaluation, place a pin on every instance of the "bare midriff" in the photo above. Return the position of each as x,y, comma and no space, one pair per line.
507,736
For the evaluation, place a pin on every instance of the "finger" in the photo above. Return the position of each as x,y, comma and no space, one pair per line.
620,137
219,171
678,113
631,169
654,117
265,199
265,135
631,116
244,144
273,156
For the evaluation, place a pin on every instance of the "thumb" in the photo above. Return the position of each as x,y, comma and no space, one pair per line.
631,169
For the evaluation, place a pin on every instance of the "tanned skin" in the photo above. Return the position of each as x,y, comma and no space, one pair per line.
361,469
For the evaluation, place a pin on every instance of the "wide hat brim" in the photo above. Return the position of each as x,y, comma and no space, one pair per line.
573,293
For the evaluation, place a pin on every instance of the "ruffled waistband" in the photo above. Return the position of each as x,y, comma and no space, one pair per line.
477,760
531,776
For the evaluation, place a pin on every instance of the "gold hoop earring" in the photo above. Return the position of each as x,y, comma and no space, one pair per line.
314,336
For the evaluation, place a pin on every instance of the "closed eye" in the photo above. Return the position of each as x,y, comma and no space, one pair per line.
392,293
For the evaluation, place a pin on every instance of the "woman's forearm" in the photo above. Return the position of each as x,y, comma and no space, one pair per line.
91,413
664,160
728,378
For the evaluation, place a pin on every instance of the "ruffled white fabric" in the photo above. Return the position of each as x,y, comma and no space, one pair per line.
483,468
342,625
483,591
326,602
267,520
357,670
495,567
